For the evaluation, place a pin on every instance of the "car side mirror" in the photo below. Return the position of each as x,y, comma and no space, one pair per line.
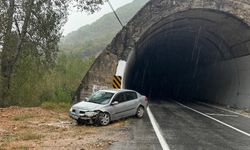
114,103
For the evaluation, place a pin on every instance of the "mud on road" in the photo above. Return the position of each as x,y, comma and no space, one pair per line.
38,128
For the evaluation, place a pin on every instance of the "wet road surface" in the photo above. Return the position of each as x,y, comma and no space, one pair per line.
142,137
184,129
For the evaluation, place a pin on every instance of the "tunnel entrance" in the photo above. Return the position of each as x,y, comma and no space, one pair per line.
198,54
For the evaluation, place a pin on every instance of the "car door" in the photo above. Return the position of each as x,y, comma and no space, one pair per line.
119,110
131,103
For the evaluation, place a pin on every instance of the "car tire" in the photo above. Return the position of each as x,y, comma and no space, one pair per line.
103,119
139,112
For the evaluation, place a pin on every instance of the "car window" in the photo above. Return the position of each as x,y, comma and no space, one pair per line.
120,97
130,96
100,97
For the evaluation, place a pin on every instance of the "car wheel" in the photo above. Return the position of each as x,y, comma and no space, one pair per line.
140,112
103,119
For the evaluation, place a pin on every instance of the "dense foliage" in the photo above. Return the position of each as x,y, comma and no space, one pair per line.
33,84
29,34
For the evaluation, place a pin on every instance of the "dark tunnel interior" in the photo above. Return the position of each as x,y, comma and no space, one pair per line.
190,55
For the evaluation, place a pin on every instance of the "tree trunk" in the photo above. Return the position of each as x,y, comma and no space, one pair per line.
12,50
6,64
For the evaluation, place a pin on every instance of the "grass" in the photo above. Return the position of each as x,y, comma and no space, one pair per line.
8,138
2,146
23,117
29,136
56,106
128,122
22,136
21,147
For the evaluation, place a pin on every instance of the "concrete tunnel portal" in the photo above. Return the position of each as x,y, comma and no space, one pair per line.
183,50
197,54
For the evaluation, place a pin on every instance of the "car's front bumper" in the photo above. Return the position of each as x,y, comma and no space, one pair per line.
82,117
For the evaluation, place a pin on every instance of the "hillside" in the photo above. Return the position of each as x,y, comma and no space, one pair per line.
91,39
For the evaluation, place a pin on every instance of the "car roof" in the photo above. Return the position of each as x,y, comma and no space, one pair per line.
117,90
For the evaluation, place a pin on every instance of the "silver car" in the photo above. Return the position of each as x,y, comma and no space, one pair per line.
107,105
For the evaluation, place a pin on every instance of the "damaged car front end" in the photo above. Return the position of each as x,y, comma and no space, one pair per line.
83,116
91,110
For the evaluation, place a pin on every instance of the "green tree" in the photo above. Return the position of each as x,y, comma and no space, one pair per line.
31,22
32,28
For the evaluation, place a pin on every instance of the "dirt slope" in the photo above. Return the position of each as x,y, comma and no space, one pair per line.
38,128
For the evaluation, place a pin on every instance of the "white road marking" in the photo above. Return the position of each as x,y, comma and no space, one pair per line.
224,109
157,130
238,130
223,115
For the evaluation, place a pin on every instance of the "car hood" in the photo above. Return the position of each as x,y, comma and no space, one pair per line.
87,106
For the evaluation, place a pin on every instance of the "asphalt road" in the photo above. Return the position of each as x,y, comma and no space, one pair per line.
142,137
186,129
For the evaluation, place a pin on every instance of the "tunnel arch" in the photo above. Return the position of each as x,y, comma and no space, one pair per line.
226,47
197,43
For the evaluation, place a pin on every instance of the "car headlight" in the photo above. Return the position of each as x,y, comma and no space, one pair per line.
91,113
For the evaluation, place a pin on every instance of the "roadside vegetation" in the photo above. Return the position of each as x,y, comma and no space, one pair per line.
32,70
34,85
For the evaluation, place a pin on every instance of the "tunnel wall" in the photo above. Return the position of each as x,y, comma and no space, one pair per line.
232,90
98,76
154,11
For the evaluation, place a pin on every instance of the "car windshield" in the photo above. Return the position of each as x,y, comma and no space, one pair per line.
100,97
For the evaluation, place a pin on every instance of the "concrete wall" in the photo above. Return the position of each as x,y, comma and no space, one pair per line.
226,83
99,75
